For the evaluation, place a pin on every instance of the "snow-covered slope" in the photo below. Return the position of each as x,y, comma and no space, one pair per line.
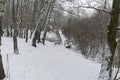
49,62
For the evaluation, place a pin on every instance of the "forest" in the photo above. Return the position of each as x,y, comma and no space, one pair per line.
88,27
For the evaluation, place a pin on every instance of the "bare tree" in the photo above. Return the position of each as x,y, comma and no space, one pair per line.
109,54
43,20
2,4
111,37
16,25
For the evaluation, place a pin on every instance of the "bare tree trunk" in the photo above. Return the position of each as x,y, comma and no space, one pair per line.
107,65
47,20
24,33
34,23
11,32
1,31
8,32
27,35
2,73
35,38
15,28
44,37
39,37
15,42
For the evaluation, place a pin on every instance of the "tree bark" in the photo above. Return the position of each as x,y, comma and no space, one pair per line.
16,51
34,23
26,35
35,38
8,32
44,37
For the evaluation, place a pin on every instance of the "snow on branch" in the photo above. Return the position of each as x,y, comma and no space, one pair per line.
89,4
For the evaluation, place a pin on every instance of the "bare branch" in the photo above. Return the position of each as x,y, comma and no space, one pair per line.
97,9
70,12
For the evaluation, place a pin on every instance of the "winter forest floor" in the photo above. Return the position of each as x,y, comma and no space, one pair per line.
49,62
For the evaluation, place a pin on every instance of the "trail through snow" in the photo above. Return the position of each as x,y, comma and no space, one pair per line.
49,62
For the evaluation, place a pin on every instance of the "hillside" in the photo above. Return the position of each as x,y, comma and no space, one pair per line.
49,62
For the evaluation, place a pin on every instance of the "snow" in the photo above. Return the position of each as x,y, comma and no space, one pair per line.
62,37
47,62
51,36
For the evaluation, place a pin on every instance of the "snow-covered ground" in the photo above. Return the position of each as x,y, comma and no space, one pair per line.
49,62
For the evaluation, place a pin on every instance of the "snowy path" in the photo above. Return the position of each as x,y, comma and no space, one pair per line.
47,62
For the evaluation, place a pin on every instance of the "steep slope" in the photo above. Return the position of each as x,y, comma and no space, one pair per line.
49,62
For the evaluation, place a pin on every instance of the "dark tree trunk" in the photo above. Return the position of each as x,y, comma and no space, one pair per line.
27,35
34,22
39,40
8,32
2,73
1,31
15,42
11,33
35,38
112,28
20,33
106,68
44,37
24,34
16,51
